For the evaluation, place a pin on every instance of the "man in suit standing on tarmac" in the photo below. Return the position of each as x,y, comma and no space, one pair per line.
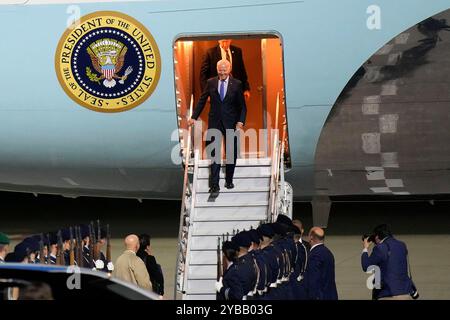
319,276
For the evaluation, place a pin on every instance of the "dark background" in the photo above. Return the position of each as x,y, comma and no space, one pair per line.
25,213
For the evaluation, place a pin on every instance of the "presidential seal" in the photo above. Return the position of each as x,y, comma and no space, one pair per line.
109,62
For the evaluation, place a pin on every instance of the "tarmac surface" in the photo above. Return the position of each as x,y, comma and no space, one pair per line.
423,226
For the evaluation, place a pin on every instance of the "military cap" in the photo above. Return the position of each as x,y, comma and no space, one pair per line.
102,233
284,219
254,236
294,229
65,234
279,228
242,239
31,244
12,257
228,245
84,230
38,238
4,239
52,238
20,252
266,230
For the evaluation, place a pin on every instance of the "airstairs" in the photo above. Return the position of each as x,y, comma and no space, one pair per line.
259,195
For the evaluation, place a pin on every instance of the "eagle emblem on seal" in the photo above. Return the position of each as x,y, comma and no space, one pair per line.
108,58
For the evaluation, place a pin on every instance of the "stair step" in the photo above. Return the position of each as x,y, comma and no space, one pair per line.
205,242
239,172
230,213
217,228
213,204
241,162
199,297
202,272
201,286
240,208
206,257
232,198
240,185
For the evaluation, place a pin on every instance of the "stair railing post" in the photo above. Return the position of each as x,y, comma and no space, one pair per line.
191,215
282,190
184,197
274,173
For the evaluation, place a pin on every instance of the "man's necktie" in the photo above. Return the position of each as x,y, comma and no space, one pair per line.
228,56
222,90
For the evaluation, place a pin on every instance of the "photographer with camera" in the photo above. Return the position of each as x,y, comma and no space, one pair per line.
391,256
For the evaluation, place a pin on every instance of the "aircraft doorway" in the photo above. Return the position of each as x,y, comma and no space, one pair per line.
266,111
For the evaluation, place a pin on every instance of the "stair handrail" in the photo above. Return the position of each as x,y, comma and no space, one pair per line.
282,191
275,168
191,216
184,197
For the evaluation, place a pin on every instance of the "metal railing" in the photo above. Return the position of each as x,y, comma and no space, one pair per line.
279,196
274,171
186,199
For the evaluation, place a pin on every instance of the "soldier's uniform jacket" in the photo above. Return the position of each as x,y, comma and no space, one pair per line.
264,270
270,256
87,260
239,279
52,259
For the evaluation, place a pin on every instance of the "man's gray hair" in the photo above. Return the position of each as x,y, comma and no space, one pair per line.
224,61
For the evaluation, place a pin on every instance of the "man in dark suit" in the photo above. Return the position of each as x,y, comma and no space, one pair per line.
227,114
390,255
319,276
224,51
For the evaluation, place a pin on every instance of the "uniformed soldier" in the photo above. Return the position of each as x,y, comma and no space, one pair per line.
270,256
43,246
4,246
280,248
263,267
225,285
68,247
24,252
32,249
291,253
240,278
19,255
53,247
102,263
300,262
88,261
244,241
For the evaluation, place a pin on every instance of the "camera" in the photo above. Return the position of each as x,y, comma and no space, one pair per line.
369,237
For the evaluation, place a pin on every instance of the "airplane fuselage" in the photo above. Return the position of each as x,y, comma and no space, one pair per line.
50,142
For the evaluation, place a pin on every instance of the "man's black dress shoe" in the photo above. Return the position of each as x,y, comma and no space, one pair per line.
229,185
214,189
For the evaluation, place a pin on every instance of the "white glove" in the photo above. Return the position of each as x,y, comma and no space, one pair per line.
110,266
99,264
219,285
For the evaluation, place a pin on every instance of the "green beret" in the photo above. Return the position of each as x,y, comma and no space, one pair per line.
4,239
